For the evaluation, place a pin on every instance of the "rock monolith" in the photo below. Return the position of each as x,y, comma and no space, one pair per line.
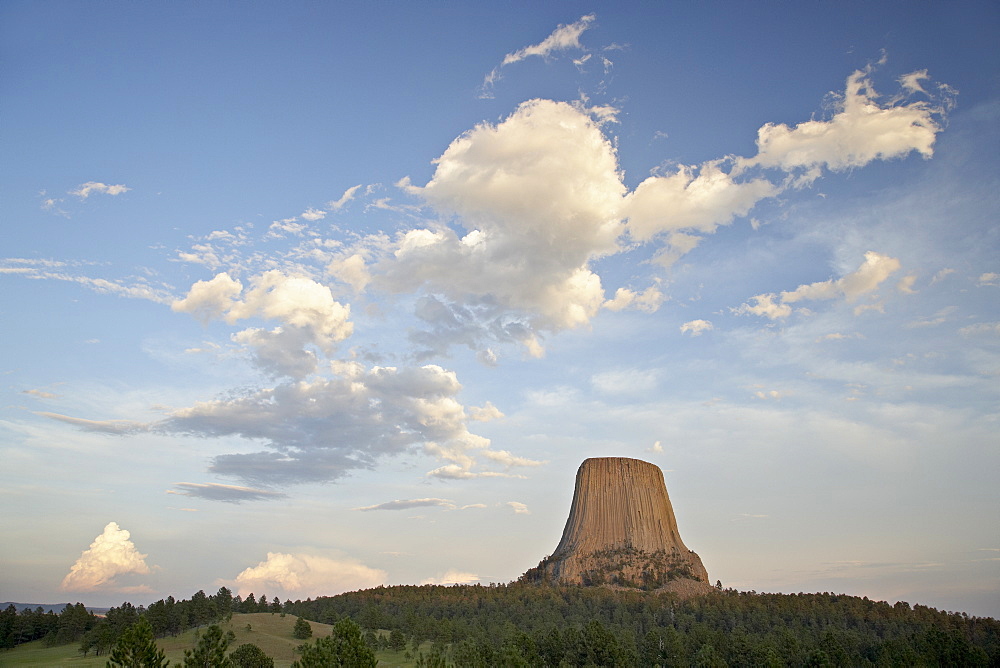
621,531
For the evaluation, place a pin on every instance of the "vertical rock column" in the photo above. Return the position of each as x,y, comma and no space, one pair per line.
621,525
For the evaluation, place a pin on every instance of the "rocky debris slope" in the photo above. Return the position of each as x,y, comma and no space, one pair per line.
621,531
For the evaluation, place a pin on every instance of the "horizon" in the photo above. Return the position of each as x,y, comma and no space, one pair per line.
307,299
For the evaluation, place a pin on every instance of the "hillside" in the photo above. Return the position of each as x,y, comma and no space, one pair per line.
271,632
522,624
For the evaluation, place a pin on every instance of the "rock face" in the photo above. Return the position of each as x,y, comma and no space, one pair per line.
621,531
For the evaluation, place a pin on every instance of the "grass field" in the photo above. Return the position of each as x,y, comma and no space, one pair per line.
271,632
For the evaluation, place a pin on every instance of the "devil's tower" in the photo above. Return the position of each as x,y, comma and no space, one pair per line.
621,530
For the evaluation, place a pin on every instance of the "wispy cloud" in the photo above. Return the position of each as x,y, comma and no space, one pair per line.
84,190
406,504
563,38
226,493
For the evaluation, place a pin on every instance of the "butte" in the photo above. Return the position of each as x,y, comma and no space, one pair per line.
621,531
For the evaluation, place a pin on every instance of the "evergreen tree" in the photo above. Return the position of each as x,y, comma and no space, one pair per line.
137,649
345,648
249,655
211,649
302,629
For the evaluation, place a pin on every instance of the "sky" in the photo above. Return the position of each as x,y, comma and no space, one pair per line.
301,298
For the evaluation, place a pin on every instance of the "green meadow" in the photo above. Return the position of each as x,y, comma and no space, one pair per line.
271,632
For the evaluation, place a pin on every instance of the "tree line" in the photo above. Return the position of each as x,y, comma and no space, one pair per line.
529,625
521,624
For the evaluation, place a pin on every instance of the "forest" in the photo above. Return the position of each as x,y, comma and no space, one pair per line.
522,624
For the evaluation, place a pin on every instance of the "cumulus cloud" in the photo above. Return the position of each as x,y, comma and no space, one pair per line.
452,577
875,269
485,413
227,493
111,554
288,226
764,305
647,301
696,327
306,309
538,196
861,130
406,504
313,215
304,575
84,190
691,200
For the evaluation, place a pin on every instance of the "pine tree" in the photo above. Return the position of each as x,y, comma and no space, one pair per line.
345,648
302,629
137,649
249,655
211,650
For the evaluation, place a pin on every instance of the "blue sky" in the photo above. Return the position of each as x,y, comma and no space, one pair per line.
301,299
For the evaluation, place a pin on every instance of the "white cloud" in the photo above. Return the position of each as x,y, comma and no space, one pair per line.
767,394
304,575
988,278
911,82
860,131
764,305
111,554
538,196
875,269
452,577
563,38
84,190
518,508
313,215
281,228
309,314
691,199
656,448
647,301
485,413
348,195
508,460
696,327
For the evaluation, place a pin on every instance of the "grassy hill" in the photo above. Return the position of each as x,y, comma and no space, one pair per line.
271,632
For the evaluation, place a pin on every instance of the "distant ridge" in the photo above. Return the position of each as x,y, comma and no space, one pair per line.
621,531
48,607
